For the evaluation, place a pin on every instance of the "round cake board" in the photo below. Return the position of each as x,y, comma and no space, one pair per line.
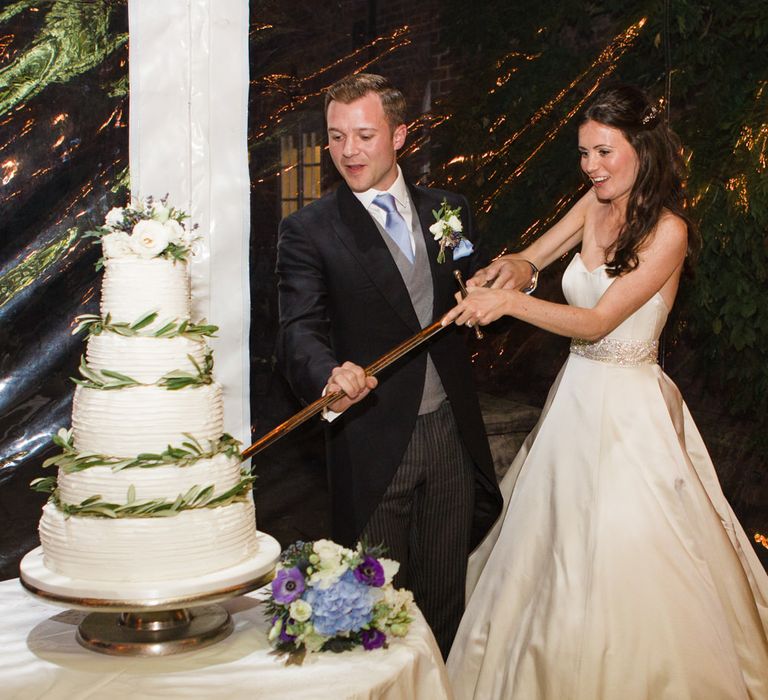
111,596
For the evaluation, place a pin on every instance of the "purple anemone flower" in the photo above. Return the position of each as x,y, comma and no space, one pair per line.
287,586
373,639
284,636
370,572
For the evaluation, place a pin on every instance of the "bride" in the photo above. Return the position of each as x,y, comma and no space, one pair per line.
619,571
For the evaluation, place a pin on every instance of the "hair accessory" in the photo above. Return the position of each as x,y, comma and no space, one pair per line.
653,114
649,118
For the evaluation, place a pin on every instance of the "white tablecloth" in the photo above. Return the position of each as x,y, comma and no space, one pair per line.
39,658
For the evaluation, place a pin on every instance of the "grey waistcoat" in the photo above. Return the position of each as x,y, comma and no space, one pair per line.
418,281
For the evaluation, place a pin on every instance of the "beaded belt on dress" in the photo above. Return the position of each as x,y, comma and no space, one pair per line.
627,353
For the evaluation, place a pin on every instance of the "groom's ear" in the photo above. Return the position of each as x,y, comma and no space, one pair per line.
398,136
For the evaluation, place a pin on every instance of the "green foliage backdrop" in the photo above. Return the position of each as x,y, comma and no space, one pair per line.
510,144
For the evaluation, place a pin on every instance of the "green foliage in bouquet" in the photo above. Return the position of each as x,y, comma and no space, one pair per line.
326,597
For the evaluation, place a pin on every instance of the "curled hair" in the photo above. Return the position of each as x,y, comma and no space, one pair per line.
353,87
659,182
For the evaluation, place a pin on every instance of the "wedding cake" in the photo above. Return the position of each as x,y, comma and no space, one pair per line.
149,486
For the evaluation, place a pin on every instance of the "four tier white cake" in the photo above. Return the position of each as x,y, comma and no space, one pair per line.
149,486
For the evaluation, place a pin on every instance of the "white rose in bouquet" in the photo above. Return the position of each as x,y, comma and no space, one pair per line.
117,245
114,217
175,230
391,567
149,239
326,561
328,552
301,610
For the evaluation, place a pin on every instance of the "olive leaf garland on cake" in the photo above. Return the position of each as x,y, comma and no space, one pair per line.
146,461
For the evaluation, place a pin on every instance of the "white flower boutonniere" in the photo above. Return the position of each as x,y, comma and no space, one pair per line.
447,230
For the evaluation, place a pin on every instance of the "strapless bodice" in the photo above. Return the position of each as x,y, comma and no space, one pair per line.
583,288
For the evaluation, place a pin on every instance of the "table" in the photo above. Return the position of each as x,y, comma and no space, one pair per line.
40,658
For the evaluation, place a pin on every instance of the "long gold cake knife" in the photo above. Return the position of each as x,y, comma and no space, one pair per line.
371,370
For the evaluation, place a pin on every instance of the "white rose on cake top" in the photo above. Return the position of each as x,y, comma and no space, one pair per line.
148,228
149,239
114,218
116,245
176,232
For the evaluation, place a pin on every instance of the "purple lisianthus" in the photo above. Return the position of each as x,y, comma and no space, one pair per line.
370,572
287,586
372,639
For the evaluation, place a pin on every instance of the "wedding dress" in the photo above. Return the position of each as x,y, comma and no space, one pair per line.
619,571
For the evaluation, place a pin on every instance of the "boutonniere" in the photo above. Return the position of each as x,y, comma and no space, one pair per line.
447,230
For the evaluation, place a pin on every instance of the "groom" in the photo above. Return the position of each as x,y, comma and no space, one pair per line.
409,462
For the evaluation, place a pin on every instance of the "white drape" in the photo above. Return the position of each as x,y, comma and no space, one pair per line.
188,138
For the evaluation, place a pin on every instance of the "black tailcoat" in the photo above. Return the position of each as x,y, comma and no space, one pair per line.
342,298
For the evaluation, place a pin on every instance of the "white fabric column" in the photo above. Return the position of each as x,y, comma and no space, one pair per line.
188,137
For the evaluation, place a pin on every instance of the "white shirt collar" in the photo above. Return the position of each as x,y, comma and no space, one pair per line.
398,190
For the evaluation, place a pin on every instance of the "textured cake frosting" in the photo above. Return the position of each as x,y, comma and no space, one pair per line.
156,284
138,419
96,526
144,359
192,543
221,472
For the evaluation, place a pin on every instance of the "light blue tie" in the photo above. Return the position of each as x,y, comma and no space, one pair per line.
395,224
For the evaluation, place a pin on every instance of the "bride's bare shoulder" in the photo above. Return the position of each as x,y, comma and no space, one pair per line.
671,226
669,237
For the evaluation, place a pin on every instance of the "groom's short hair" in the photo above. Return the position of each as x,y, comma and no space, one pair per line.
353,87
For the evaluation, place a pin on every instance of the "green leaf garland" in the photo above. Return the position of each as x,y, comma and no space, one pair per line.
94,324
195,498
191,451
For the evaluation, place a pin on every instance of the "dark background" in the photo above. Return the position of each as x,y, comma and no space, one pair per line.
493,88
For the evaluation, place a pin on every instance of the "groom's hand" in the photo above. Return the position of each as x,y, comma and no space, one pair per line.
352,380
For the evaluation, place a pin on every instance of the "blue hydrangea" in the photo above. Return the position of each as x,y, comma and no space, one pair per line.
343,607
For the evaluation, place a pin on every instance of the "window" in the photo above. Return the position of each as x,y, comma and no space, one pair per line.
299,170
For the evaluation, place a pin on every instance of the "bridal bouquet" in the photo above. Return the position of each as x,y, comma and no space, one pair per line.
147,229
325,597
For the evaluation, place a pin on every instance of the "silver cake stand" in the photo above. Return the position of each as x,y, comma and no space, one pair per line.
155,618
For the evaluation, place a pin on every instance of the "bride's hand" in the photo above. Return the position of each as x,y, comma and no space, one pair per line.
481,307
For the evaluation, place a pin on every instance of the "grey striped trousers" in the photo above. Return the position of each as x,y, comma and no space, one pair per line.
424,520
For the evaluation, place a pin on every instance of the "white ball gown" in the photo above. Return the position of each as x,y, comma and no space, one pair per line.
619,571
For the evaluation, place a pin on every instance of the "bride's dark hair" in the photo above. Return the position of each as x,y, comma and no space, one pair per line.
659,182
